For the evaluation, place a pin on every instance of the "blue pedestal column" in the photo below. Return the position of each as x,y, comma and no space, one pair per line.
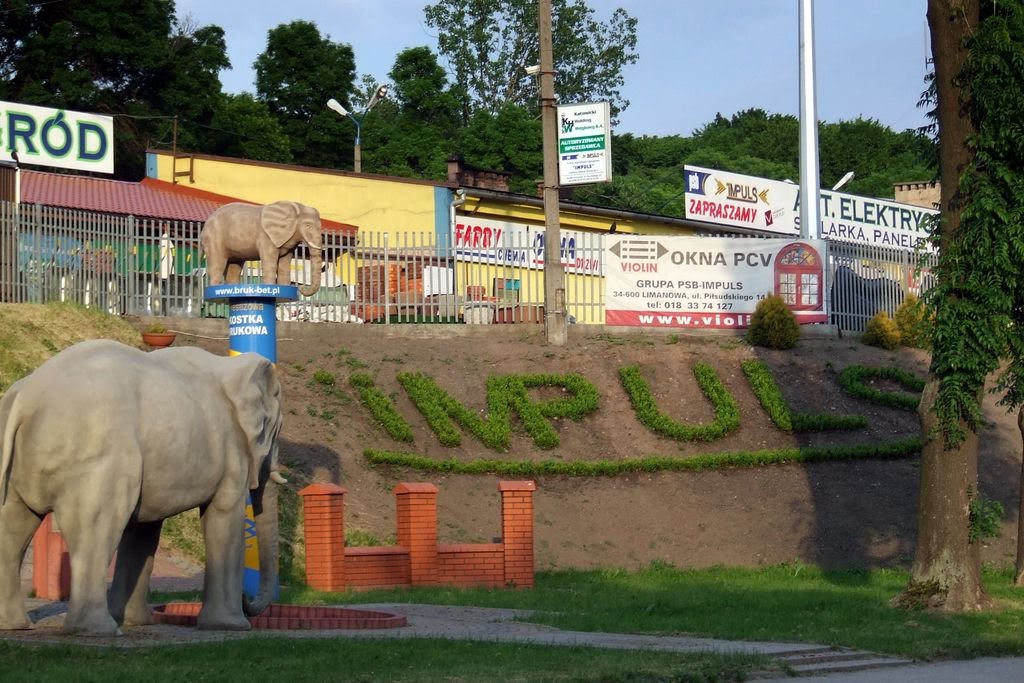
252,326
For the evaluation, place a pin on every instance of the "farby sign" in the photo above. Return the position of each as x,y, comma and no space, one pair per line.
518,244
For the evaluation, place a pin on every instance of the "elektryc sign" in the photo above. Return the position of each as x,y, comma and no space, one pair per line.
56,137
732,199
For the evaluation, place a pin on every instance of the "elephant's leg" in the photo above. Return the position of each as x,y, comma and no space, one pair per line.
234,273
129,591
215,268
17,524
284,270
223,525
92,517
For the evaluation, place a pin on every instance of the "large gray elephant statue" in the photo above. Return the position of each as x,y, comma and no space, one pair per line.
237,232
113,440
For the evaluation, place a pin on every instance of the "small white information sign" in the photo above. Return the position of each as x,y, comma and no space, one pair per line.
584,144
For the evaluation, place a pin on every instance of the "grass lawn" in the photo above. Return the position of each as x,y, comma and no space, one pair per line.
317,660
789,603
783,603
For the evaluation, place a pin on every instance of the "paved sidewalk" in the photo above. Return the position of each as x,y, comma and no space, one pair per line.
987,670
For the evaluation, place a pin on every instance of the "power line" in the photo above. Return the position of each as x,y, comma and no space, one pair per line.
30,6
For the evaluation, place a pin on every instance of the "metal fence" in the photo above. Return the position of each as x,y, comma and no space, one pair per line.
125,265
865,279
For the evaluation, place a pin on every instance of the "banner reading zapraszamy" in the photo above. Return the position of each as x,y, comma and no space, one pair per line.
734,200
712,283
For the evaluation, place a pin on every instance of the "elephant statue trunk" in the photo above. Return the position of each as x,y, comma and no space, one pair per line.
316,262
265,512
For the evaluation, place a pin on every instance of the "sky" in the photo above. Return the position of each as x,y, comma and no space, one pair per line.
697,58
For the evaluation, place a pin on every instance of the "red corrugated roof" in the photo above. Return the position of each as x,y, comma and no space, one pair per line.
149,199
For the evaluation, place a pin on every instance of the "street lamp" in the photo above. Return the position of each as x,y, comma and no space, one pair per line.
335,105
842,181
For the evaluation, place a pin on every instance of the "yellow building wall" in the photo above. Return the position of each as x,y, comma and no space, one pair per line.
376,204
372,203
571,219
410,212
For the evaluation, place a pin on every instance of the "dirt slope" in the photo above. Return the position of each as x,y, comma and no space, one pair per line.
841,514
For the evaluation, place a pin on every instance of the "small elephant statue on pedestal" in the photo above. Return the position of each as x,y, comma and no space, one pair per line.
239,232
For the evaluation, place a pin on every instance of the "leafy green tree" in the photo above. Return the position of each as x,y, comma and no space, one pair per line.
423,125
751,141
295,76
488,43
243,127
509,141
978,300
132,60
643,191
190,86
14,27
648,171
421,89
879,157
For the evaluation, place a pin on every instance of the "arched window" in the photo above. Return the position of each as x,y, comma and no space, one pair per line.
798,277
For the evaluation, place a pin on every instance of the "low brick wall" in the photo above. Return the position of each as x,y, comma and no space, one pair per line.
467,564
417,560
379,567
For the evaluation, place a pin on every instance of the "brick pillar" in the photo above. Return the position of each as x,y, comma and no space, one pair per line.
51,563
417,530
323,507
517,531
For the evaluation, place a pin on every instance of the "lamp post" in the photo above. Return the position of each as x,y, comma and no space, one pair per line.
809,190
335,105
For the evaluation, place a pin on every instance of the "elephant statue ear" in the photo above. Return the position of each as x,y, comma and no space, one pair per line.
278,221
255,393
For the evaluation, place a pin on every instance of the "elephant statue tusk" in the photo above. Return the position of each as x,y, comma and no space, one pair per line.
278,479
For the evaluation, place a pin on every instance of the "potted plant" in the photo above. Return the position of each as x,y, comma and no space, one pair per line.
157,335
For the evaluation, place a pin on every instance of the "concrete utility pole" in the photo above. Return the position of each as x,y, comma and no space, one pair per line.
554,272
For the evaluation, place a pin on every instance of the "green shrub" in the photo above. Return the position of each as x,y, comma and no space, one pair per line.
912,323
768,393
772,400
854,380
505,394
381,407
323,377
881,331
773,325
727,411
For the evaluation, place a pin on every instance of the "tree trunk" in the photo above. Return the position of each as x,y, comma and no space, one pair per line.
946,573
1019,574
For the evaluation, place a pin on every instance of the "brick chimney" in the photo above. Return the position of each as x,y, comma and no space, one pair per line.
467,175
